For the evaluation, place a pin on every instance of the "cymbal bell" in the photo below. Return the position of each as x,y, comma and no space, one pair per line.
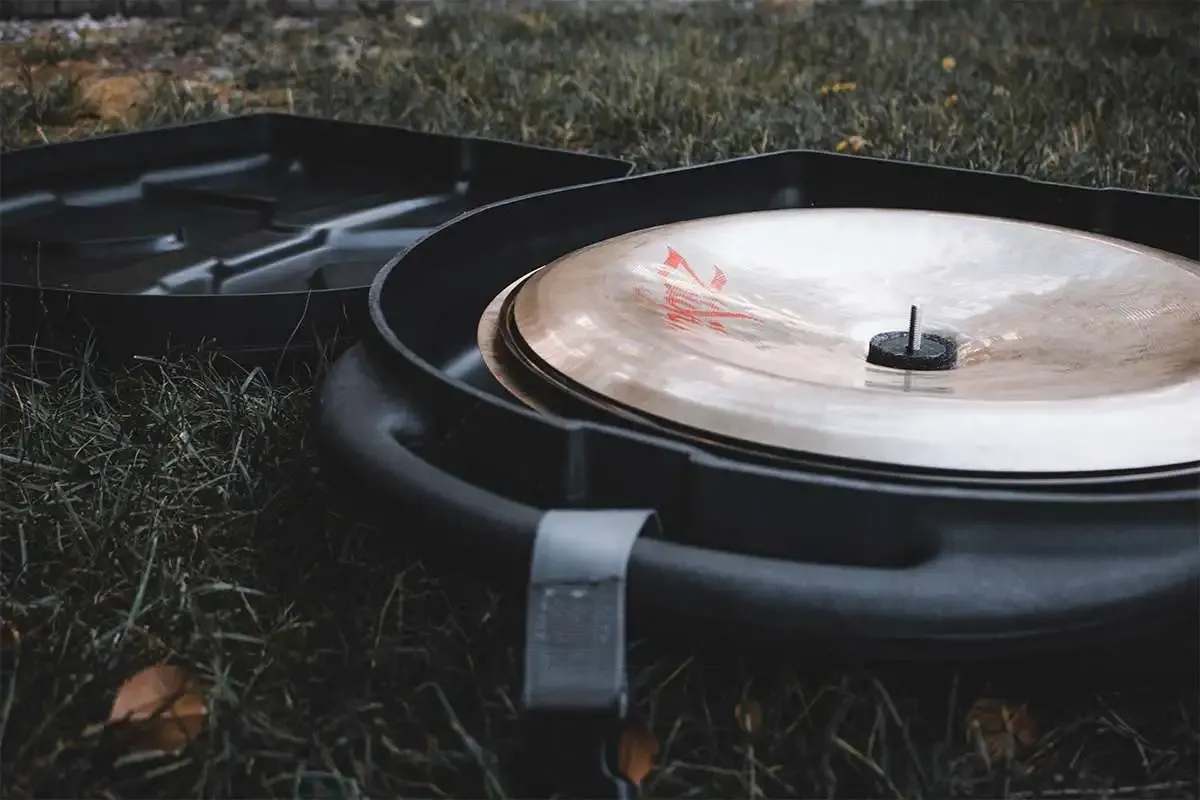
1068,352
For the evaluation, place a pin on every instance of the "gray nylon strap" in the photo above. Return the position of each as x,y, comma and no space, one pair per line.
575,620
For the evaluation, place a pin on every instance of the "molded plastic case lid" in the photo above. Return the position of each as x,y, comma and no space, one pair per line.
254,233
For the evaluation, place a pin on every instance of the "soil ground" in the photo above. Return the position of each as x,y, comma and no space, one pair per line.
174,511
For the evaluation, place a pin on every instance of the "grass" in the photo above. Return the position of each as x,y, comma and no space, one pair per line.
174,511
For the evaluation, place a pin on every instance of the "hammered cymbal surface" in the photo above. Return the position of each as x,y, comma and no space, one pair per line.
1077,353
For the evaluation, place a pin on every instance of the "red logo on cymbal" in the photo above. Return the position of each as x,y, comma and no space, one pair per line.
689,301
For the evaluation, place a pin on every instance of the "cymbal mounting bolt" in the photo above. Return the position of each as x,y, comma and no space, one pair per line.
912,350
914,330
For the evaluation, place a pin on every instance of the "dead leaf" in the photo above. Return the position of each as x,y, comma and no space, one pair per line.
1000,729
636,752
269,98
749,716
113,96
161,707
854,144
839,87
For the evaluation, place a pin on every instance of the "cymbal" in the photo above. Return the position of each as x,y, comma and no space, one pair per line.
496,357
1053,351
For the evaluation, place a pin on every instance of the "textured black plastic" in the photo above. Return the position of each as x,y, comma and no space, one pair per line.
253,233
908,568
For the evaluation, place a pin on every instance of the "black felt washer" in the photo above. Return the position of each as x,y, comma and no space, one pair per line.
891,350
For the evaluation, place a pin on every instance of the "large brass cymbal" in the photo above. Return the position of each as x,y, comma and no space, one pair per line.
1075,353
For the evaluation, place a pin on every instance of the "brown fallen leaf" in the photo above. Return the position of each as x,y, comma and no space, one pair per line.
113,96
855,144
636,752
838,87
161,708
999,729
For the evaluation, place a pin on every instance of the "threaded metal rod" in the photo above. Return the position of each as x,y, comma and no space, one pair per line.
914,329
